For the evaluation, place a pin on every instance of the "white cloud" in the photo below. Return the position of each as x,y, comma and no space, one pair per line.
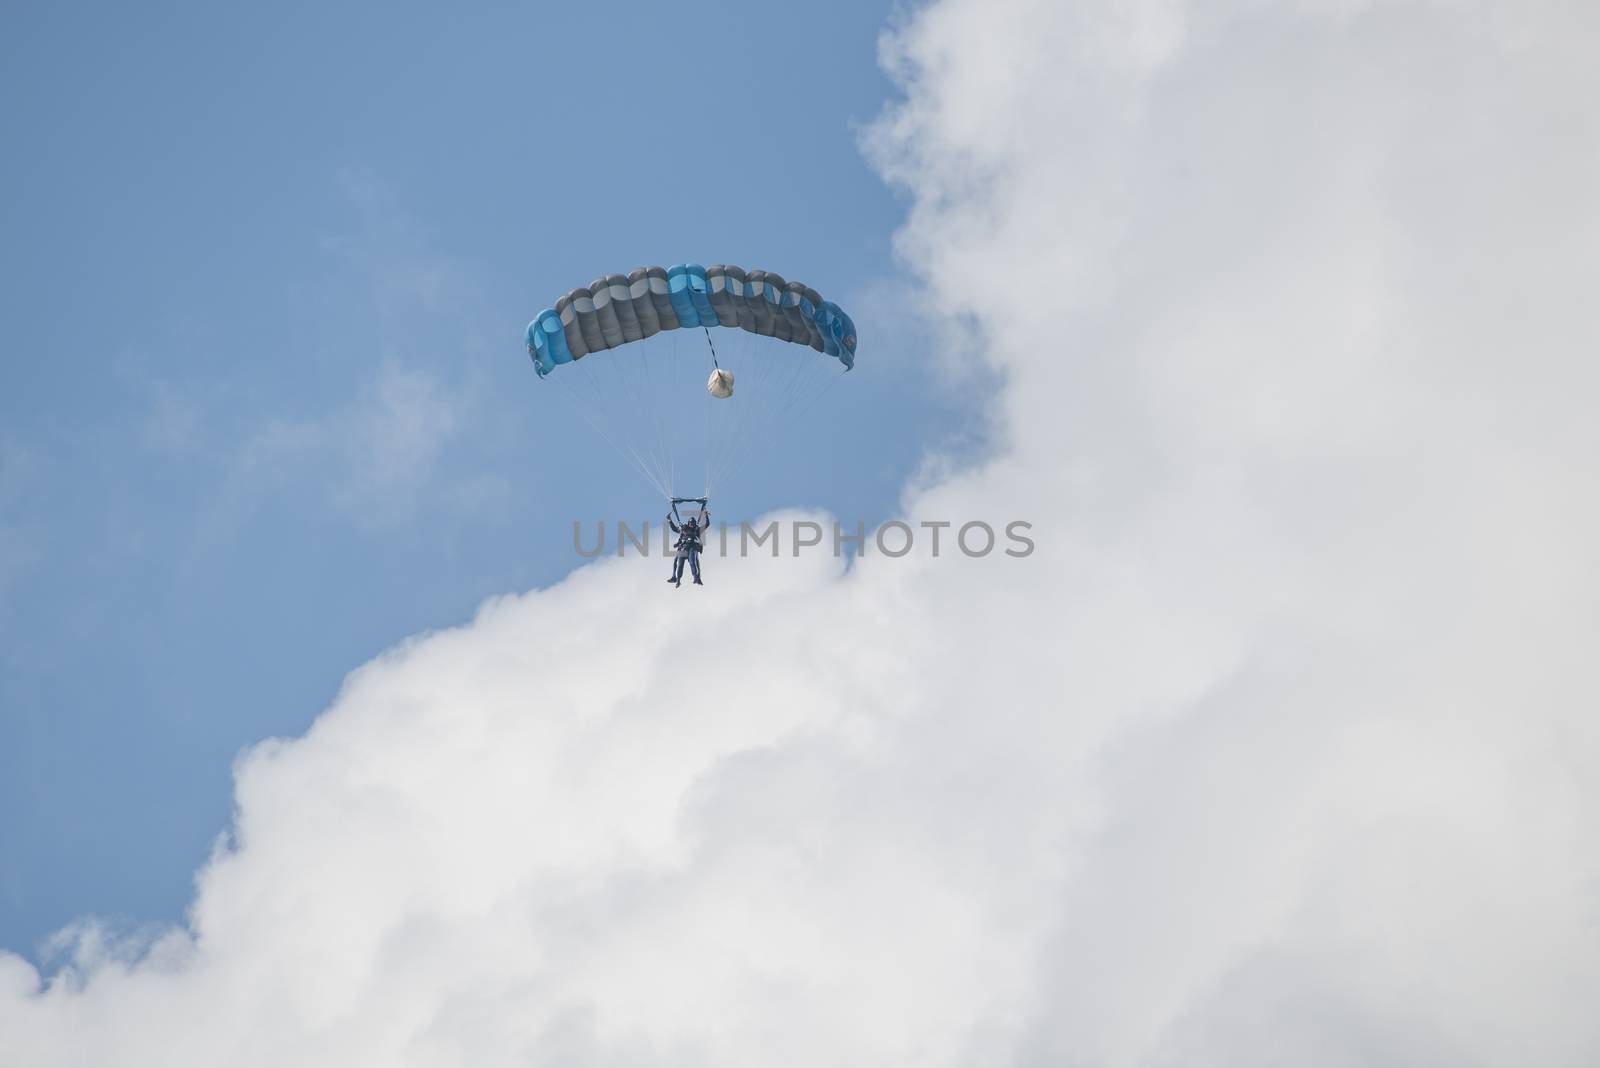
1280,749
374,457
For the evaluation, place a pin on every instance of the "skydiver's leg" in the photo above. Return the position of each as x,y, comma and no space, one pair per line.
694,566
677,569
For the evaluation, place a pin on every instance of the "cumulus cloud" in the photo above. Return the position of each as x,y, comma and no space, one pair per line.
1280,749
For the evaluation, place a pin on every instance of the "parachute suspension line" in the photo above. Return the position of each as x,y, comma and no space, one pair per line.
713,419
800,388
733,424
770,409
626,453
677,374
792,382
631,379
655,396
610,399
754,412
817,396
631,384
806,393
630,419
704,426
719,419
615,403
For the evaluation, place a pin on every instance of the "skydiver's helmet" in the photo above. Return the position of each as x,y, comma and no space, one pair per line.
720,384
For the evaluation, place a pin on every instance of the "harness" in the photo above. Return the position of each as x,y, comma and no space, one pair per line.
689,541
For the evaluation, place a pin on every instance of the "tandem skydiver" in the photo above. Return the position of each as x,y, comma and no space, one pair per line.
688,543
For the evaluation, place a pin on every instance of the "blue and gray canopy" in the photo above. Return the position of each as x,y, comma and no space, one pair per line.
612,311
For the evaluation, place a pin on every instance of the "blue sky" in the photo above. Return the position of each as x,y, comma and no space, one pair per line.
265,409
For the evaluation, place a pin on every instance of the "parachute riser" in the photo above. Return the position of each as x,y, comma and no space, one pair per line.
701,501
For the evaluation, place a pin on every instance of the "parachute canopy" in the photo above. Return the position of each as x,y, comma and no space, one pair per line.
612,311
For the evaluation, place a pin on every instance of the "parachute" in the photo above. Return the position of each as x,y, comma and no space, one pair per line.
612,311
600,344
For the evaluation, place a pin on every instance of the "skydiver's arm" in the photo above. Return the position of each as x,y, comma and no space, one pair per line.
671,524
